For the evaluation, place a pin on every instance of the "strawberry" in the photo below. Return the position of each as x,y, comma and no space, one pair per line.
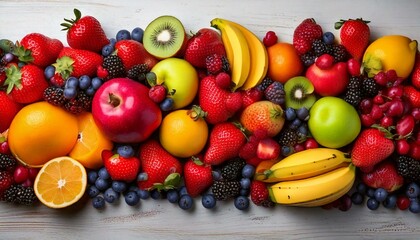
198,176
411,94
354,35
250,96
259,194
121,168
216,63
304,35
204,43
38,49
27,84
372,146
85,33
226,140
415,75
8,110
384,175
133,53
6,180
217,102
158,164
77,62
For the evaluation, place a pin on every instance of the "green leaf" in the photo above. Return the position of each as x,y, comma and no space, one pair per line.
13,78
172,180
77,13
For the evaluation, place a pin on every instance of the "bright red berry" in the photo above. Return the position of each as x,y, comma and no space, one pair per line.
223,80
270,39
157,93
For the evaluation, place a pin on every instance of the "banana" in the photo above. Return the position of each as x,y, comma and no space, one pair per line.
305,164
314,191
259,57
237,51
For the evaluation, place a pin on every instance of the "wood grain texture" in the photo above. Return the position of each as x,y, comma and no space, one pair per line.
160,219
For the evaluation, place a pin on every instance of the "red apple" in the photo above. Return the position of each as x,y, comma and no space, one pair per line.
124,112
328,81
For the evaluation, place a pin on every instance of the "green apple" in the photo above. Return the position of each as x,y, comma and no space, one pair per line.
333,122
180,78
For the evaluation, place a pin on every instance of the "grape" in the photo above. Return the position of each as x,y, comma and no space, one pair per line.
396,108
123,34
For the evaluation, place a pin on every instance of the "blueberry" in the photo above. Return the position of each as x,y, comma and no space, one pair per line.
72,82
167,104
372,204
357,198
107,50
96,83
110,195
143,194
296,123
126,151
70,93
303,129
241,202
112,41
137,34
92,176
119,186
84,82
370,192
328,38
156,194
90,91
217,175
93,191
103,173
302,113
286,151
244,192
131,198
414,206
245,183
185,202
182,191
102,184
390,201
142,176
98,202
380,194
248,171
290,114
413,190
123,34
172,196
208,201
361,188
49,72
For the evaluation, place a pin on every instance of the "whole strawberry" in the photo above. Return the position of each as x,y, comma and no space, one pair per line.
38,49
133,53
354,35
225,142
384,175
204,43
8,110
372,146
157,163
27,84
121,168
304,35
85,33
259,194
198,176
412,95
415,75
77,62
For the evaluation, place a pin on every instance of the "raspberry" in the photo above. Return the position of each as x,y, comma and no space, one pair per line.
214,64
259,194
223,80
157,93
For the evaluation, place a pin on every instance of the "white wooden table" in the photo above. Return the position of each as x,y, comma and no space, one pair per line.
160,219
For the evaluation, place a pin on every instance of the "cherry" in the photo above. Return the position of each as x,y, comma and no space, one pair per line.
4,148
311,143
405,125
415,112
366,105
28,183
325,61
402,147
387,121
367,120
21,174
270,39
376,112
353,67
391,75
381,79
414,151
32,173
378,99
299,147
396,108
403,202
395,92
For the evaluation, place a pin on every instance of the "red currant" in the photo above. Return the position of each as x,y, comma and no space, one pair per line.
270,39
353,67
403,202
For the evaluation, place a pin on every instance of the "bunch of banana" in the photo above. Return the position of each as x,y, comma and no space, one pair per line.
311,178
246,54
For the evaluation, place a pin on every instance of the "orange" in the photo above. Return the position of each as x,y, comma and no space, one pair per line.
60,182
283,62
40,132
183,133
90,142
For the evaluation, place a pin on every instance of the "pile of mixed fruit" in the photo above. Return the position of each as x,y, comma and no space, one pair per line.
220,115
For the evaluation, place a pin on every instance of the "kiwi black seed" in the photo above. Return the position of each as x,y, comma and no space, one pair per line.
164,37
299,93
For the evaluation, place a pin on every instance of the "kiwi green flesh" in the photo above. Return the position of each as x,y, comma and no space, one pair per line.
299,93
164,37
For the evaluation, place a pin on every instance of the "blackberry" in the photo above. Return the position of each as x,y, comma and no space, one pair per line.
319,47
353,94
369,88
339,53
20,195
308,58
409,168
7,161
81,103
232,169
275,93
225,65
115,67
138,72
55,96
288,137
224,190
265,83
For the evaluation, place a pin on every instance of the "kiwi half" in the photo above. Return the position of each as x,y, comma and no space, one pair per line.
299,93
164,37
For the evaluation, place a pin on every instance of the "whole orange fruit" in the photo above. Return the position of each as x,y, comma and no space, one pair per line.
40,132
283,62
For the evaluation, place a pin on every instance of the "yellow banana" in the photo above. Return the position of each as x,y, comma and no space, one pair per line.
314,191
237,51
306,163
259,57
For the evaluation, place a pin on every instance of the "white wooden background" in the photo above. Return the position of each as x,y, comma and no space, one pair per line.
161,220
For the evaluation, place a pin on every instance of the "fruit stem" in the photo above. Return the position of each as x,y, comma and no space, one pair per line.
196,112
114,100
